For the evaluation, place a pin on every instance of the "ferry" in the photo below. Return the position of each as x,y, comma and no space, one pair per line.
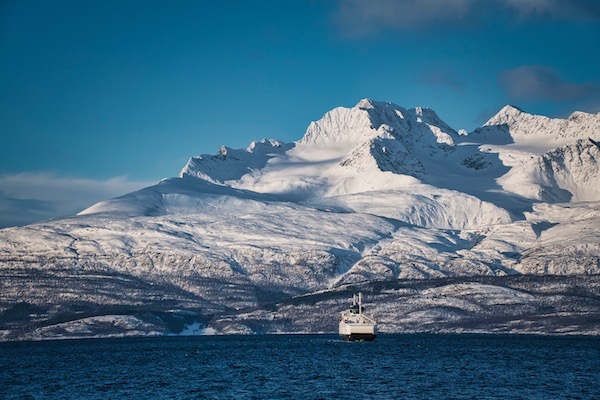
354,324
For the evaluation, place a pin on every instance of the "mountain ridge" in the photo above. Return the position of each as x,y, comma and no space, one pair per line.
372,192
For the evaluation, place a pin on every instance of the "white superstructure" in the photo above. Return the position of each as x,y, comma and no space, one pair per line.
354,324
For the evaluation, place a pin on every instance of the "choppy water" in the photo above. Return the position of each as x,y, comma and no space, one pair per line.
303,367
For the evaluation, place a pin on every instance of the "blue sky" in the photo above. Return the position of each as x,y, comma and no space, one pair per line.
121,93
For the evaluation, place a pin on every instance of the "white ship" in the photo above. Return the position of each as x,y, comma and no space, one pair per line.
356,326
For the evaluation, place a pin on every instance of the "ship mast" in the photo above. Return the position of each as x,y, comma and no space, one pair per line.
359,302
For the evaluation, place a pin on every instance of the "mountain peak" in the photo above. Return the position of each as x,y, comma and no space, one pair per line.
370,104
511,109
229,164
342,125
579,116
512,125
348,127
506,115
365,103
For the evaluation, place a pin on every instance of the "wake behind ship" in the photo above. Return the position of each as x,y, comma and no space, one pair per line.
354,325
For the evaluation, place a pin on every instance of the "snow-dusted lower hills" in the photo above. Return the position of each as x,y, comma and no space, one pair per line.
524,304
369,193
511,304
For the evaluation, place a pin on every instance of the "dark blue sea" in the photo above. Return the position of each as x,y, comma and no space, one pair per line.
303,367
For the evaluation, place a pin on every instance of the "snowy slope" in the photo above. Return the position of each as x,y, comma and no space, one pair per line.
371,192
570,172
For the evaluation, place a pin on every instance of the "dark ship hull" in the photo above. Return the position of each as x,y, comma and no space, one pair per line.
359,337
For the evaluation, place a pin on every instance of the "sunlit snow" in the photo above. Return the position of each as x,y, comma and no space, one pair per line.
373,192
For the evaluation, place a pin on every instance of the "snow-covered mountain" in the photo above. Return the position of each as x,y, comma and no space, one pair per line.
373,192
512,125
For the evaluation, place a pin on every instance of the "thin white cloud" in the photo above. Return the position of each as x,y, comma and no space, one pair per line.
559,9
541,83
359,17
362,17
441,77
29,197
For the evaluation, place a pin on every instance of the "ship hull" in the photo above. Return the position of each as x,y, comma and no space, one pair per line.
357,332
358,337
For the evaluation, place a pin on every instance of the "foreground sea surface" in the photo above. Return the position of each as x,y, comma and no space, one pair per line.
415,366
